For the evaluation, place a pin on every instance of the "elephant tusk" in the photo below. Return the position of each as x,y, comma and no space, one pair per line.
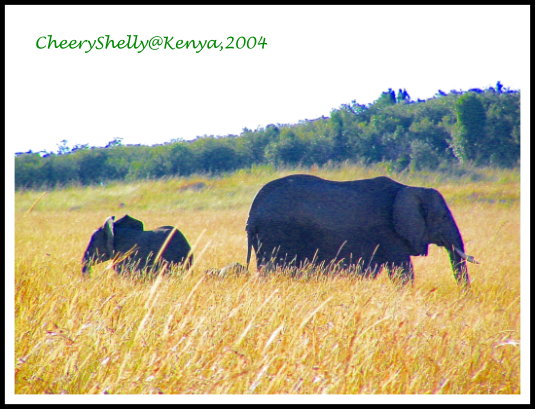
465,256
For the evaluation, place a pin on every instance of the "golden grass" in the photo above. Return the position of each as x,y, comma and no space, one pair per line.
189,333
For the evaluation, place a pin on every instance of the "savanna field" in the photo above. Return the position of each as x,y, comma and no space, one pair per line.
194,333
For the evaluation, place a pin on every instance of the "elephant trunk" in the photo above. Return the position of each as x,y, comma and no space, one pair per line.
458,263
86,264
86,268
452,240
90,258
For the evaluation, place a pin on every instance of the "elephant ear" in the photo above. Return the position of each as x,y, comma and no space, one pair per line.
128,222
409,219
109,232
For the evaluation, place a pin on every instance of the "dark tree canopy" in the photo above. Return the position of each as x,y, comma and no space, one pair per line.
481,127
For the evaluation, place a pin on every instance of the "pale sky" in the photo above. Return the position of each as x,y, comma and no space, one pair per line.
315,59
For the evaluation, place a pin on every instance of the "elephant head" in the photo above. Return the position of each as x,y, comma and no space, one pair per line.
100,247
102,244
422,217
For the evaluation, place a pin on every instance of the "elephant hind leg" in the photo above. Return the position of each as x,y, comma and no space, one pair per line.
368,269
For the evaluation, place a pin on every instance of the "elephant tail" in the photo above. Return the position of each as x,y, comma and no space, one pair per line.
250,234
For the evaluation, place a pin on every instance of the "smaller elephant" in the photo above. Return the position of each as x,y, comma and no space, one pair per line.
135,249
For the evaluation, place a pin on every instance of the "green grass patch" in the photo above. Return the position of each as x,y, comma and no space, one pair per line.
237,189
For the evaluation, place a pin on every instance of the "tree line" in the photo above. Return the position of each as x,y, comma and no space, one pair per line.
478,127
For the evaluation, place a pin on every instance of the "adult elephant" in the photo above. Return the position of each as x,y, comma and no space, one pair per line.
136,249
371,223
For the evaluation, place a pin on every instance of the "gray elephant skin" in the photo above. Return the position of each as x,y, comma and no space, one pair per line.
135,249
370,223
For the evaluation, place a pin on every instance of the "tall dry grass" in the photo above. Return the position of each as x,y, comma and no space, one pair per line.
190,333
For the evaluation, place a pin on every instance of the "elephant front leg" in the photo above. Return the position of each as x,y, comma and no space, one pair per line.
402,273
